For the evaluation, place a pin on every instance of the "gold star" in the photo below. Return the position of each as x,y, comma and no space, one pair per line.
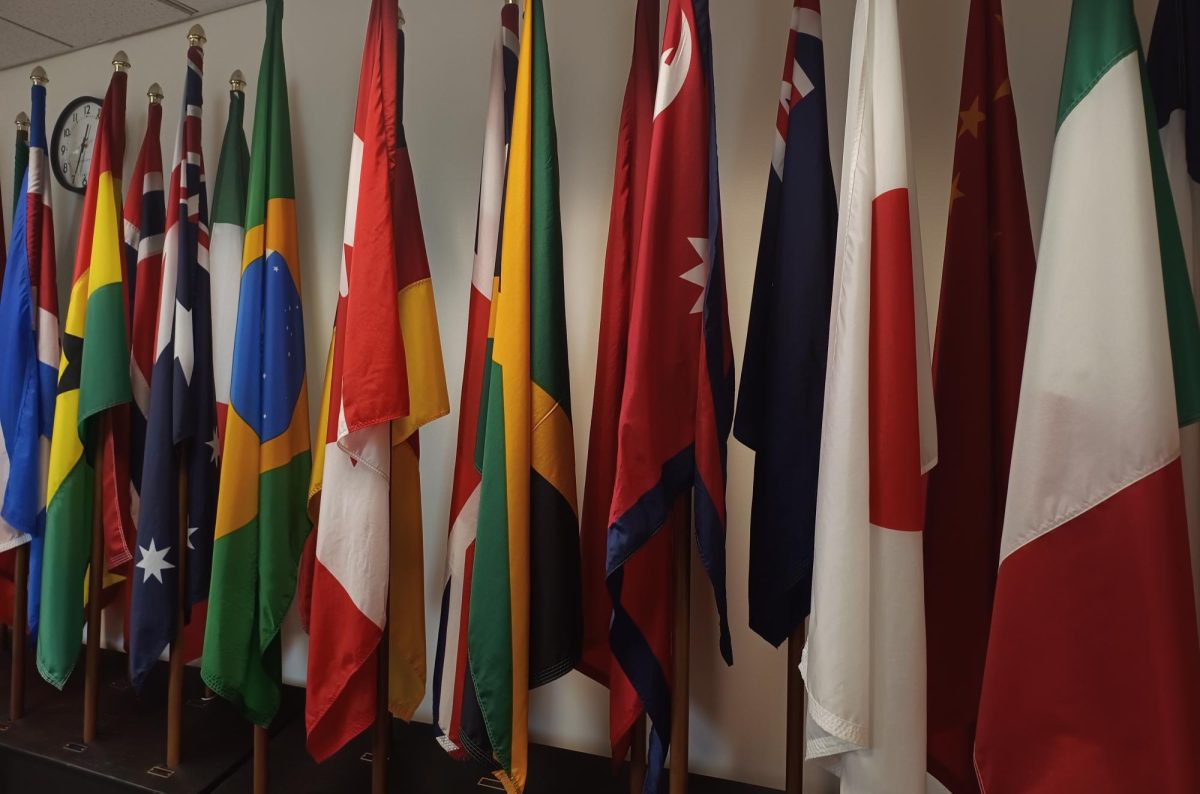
955,193
1004,90
970,119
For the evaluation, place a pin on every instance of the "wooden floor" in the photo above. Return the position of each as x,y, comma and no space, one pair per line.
43,752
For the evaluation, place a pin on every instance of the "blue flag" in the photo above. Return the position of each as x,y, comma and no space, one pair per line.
182,424
783,373
29,359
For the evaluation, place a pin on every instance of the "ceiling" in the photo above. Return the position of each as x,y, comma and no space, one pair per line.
31,30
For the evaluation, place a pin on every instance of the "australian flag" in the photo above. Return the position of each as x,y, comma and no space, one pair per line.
783,372
182,426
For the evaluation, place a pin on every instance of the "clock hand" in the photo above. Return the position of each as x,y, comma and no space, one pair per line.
82,146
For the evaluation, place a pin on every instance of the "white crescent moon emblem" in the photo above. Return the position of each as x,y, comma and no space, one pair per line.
672,75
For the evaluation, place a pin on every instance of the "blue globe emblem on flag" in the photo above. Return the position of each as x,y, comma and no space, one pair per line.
268,353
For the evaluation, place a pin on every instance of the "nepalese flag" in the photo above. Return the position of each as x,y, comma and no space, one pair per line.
783,372
624,234
524,623
145,223
29,360
385,381
225,249
677,405
864,663
983,318
88,447
262,521
455,708
181,431
1090,682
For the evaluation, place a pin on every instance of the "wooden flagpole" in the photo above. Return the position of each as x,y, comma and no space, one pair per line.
681,646
261,777
795,714
637,757
91,681
382,743
20,625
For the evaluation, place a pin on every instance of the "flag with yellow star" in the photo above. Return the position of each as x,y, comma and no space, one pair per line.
983,316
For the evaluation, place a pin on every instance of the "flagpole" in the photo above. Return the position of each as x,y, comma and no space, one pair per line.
20,625
91,684
260,759
681,647
795,713
383,722
637,756
175,681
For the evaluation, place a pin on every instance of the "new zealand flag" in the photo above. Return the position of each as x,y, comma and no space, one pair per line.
182,427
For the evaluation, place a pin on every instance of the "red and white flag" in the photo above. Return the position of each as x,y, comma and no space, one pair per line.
367,390
864,664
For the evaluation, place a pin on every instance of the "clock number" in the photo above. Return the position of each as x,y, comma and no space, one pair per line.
66,132
87,110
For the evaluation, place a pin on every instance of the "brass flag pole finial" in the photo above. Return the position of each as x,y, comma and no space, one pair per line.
121,62
22,122
237,82
38,76
155,93
196,36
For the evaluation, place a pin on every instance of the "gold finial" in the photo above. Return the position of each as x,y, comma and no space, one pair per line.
121,62
154,92
196,36
38,76
22,122
237,82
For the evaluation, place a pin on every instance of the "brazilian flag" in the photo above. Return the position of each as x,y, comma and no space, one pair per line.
262,520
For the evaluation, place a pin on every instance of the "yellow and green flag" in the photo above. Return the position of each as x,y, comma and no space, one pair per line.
525,624
93,387
262,521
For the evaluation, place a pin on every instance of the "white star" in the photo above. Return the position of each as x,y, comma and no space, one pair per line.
192,531
153,562
275,268
699,274
215,446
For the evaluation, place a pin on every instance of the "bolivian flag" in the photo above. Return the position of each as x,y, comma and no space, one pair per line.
261,519
524,626
93,377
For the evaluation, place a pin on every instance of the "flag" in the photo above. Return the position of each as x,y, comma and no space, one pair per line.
524,623
1174,82
1090,682
624,233
983,317
29,357
145,222
225,248
864,663
181,430
677,399
87,451
261,522
386,381
783,372
455,708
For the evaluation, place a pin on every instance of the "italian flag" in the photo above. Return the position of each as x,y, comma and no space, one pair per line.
1092,680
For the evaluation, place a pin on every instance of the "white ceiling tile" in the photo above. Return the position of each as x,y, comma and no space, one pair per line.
208,6
18,45
80,23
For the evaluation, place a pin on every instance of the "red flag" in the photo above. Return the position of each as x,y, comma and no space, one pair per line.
983,317
624,234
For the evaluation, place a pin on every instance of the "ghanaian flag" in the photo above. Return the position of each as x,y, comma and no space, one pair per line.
93,383
262,521
524,626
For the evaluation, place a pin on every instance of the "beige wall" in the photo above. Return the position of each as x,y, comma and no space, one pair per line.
738,713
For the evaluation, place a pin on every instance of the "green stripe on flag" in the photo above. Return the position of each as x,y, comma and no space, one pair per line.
65,562
105,354
229,195
1102,33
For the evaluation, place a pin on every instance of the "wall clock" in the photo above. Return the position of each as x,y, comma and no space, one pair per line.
73,142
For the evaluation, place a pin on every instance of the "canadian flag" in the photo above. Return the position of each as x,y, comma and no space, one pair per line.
864,663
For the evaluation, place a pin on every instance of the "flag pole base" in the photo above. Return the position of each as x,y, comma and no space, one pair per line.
681,646
20,630
795,714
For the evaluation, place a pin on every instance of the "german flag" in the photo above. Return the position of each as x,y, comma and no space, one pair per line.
525,625
262,521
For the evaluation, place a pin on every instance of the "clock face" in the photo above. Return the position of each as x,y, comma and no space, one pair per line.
73,142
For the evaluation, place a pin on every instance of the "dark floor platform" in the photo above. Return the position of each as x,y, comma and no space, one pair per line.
43,752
